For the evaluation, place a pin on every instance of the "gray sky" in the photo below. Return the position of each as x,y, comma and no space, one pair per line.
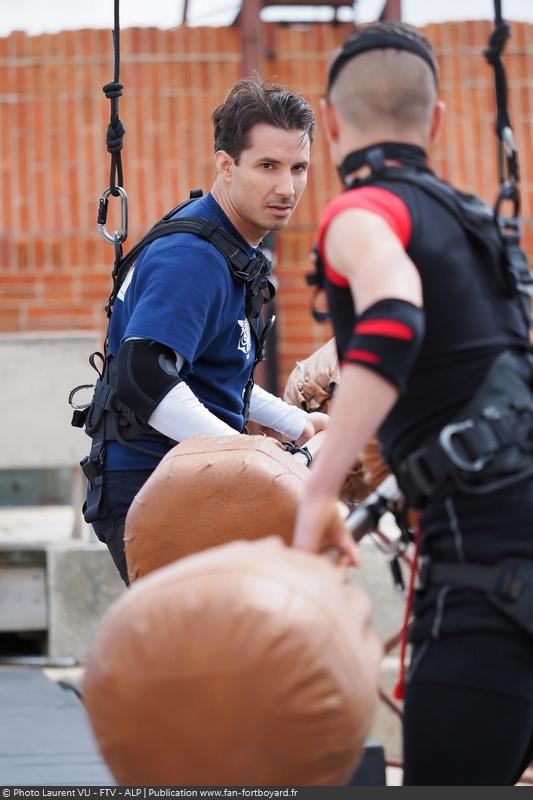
39,16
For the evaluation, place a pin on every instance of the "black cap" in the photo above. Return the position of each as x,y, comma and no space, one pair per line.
373,39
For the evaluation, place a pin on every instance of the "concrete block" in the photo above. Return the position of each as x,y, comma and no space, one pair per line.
83,582
61,587
44,367
23,599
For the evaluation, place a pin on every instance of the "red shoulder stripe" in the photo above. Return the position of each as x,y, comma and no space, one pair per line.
362,355
385,327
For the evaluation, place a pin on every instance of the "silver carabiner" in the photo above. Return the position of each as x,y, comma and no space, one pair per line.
123,233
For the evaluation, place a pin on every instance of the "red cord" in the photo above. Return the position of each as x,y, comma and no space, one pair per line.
399,690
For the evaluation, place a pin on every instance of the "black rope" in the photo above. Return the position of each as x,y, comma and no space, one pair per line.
507,155
507,205
115,129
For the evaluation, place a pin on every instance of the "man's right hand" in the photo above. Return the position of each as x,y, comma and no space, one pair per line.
319,527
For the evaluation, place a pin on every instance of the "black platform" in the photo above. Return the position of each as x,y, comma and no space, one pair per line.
45,737
46,740
372,769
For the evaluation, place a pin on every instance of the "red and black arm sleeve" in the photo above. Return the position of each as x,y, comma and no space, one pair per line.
386,339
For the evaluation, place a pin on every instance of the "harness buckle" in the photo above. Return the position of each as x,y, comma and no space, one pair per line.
92,469
511,586
514,595
448,441
422,574
416,478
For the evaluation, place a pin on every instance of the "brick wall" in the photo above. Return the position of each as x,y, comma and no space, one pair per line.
54,268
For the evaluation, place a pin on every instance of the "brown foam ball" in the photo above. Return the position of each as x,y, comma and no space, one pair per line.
210,490
310,386
248,664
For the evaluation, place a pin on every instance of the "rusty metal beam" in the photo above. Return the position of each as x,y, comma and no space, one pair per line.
251,36
392,10
333,4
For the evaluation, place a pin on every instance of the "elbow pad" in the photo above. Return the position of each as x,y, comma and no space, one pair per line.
387,338
147,371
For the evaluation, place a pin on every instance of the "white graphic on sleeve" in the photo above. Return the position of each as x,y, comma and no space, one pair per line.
125,283
245,339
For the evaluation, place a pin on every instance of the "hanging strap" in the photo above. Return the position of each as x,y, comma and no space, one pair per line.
114,143
509,223
115,129
507,153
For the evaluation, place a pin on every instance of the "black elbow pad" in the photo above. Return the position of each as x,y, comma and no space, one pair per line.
387,339
147,371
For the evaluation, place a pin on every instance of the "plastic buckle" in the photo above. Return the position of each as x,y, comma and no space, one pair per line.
417,472
241,266
511,586
447,438
514,595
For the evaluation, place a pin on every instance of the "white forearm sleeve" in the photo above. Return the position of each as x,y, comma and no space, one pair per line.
181,415
275,413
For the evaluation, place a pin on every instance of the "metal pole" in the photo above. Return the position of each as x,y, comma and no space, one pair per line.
392,10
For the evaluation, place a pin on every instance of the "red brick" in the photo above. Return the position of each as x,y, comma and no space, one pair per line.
66,316
39,253
10,319
17,287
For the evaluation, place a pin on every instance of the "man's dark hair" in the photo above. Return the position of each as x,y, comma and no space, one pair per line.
382,35
253,101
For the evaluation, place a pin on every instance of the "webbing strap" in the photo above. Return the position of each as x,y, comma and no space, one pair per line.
499,578
243,268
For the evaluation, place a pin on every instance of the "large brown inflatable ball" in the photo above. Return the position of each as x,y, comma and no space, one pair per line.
210,490
247,664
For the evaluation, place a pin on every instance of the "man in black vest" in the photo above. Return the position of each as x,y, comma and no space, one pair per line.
432,335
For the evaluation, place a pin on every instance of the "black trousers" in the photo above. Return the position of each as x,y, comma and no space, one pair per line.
120,489
468,717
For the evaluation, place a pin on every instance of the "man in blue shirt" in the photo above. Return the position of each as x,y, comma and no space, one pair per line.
180,335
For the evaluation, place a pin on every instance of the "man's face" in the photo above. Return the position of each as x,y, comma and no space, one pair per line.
264,188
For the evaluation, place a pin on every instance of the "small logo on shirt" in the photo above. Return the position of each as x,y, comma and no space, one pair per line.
245,339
